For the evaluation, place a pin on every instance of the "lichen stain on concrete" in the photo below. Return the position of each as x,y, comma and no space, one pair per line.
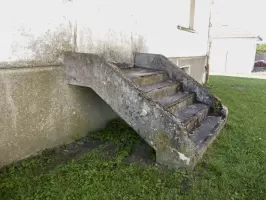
146,109
217,106
182,156
162,141
144,112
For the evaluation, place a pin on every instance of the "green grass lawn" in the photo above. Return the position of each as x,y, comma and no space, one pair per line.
234,167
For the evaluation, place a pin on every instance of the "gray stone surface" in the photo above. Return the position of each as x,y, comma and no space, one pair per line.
205,130
192,115
212,131
160,62
190,111
181,105
165,131
40,110
156,126
160,90
157,86
143,76
139,72
175,98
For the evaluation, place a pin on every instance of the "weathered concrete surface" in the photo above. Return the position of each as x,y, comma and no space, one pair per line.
177,101
40,110
192,115
145,76
160,90
165,130
160,62
158,127
204,135
201,133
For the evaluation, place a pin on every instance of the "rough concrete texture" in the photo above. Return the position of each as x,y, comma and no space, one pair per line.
160,90
40,110
160,62
177,101
140,104
192,115
160,129
143,76
206,133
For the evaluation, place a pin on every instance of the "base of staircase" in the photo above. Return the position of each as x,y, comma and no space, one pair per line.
203,146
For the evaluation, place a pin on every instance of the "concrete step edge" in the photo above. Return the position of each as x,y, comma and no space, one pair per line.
195,117
164,91
150,79
184,97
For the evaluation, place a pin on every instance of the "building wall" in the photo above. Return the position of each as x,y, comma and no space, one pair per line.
107,23
40,110
194,66
156,21
236,55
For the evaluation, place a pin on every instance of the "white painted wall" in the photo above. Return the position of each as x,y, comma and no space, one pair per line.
155,20
232,55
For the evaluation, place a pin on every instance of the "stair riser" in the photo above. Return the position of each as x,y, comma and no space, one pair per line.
195,121
148,80
163,92
180,105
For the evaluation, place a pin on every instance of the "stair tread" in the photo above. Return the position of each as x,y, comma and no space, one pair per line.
205,130
174,98
137,71
190,111
149,88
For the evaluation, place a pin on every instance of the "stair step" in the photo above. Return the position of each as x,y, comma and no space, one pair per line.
192,115
160,90
143,76
205,131
177,101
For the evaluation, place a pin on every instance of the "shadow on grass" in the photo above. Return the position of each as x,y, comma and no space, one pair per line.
118,141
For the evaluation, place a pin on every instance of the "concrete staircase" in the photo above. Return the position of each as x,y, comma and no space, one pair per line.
176,116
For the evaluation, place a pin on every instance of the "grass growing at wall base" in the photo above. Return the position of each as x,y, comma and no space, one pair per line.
233,168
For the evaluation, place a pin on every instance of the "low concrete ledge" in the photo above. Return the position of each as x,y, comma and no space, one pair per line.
29,64
40,110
